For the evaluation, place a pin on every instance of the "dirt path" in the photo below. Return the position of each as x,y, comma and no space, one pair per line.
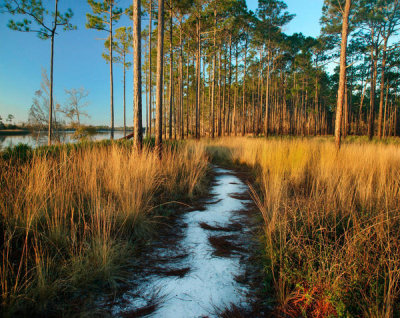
198,269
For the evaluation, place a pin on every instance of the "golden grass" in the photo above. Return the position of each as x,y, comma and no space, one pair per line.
69,220
332,229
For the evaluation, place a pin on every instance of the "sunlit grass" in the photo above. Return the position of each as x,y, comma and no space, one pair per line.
332,229
70,219
331,233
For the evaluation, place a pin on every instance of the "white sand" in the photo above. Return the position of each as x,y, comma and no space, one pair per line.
210,283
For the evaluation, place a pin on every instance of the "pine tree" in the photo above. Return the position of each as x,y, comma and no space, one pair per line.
105,15
34,11
122,47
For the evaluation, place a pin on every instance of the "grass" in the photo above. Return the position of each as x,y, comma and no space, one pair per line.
73,216
331,231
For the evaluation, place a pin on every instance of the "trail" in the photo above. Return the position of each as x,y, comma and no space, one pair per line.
199,268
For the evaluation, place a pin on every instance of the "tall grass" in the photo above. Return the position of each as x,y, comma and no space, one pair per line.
332,223
70,220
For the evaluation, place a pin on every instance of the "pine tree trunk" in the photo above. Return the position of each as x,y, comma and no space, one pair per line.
50,127
234,121
137,75
165,105
212,128
316,111
146,89
374,62
175,113
385,112
266,119
171,72
382,88
181,80
360,114
198,81
259,93
53,32
111,73
203,98
219,94
187,94
150,79
346,111
342,76
160,59
254,110
229,86
224,98
244,88
124,67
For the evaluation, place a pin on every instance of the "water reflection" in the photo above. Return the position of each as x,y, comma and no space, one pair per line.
39,139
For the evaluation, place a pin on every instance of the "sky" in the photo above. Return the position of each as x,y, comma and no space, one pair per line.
78,62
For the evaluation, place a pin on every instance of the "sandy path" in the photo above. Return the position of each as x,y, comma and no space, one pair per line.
195,274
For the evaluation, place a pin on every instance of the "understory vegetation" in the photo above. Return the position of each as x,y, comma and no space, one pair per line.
73,217
331,235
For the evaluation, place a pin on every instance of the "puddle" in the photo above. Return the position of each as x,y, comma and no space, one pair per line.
193,276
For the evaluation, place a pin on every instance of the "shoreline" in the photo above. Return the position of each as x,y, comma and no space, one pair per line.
14,132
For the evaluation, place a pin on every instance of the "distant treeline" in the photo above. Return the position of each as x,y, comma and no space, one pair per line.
222,69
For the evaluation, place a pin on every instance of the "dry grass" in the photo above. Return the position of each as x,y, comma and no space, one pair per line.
332,228
331,221
68,221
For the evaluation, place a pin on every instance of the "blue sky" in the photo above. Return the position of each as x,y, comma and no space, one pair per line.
78,62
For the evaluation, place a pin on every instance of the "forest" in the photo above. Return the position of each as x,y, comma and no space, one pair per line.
261,179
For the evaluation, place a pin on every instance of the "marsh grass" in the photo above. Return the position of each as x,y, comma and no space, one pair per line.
331,231
71,217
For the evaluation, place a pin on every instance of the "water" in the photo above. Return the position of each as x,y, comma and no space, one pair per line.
40,139
210,282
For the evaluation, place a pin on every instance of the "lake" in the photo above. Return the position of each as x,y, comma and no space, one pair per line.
40,139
